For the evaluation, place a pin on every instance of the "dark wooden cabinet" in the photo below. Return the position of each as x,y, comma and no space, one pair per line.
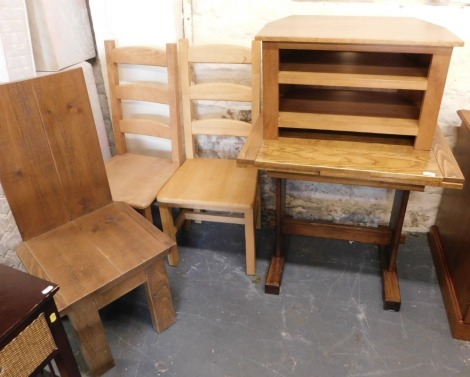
31,332
450,241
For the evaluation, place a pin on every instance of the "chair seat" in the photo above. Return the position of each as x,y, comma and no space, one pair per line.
94,253
137,179
211,184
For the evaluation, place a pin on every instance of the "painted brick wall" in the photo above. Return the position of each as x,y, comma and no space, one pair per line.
16,59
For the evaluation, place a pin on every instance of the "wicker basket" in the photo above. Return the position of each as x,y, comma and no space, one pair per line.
28,350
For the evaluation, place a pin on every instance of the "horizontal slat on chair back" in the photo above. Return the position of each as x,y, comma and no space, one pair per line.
139,56
142,126
157,93
220,91
222,127
220,54
218,58
143,92
51,167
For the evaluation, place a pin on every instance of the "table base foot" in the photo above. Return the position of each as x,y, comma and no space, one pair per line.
391,287
274,276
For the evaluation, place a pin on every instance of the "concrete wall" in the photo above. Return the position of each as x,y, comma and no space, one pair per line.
238,21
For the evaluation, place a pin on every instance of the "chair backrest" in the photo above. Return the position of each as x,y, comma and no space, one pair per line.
164,91
51,167
219,87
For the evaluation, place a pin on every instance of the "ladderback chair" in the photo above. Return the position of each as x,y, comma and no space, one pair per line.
214,189
74,235
145,103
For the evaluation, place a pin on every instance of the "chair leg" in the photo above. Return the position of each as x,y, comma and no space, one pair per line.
250,242
169,229
147,213
94,345
159,299
197,211
258,207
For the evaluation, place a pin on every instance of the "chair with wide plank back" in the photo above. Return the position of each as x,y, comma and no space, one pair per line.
214,189
145,107
74,235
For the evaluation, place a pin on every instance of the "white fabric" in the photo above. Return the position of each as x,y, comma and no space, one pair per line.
60,32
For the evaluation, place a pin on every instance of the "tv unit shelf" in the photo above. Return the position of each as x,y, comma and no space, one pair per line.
367,75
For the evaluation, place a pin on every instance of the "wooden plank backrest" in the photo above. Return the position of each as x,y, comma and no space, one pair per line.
217,91
162,93
51,167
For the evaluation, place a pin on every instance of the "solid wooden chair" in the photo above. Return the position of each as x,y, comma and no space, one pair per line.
136,173
74,235
214,189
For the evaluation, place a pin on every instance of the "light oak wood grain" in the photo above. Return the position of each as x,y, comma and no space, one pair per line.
377,164
136,178
214,189
139,55
220,53
152,176
218,185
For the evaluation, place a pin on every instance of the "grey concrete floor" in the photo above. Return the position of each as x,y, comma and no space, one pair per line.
327,321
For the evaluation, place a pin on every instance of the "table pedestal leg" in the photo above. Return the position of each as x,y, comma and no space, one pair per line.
276,268
391,287
388,239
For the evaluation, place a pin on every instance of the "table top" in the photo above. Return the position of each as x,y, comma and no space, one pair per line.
465,116
358,29
20,295
359,161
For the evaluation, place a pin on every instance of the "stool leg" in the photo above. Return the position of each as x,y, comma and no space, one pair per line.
147,213
159,299
250,243
169,229
86,322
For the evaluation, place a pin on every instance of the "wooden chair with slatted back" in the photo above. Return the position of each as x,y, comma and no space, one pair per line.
214,189
74,235
145,108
